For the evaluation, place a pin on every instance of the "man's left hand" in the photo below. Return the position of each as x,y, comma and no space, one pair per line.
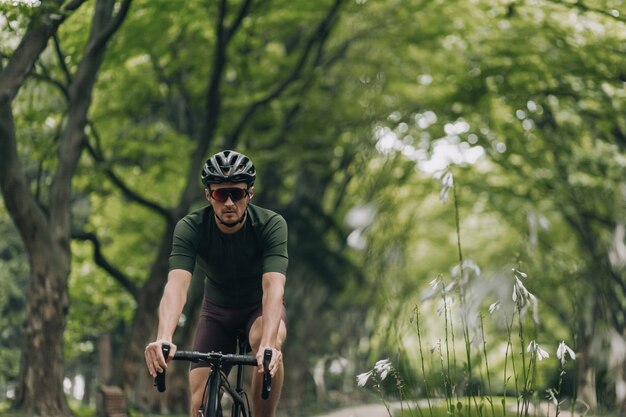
275,363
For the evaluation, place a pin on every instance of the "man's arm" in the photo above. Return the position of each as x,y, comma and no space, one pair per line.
170,309
273,291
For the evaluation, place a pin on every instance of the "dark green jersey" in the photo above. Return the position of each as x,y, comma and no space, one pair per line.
233,264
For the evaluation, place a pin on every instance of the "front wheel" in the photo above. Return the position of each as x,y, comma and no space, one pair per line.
212,405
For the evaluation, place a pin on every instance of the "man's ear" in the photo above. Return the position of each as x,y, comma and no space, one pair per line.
251,192
207,194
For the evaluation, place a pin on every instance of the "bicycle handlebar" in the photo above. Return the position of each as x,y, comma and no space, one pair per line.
219,359
267,379
159,380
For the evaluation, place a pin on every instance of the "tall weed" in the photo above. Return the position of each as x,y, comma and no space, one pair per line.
470,389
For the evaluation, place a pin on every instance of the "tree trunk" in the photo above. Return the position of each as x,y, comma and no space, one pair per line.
305,305
40,389
89,386
585,374
617,363
46,234
105,359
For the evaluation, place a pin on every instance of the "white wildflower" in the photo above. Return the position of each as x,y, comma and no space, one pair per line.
432,290
519,291
523,298
362,379
447,182
535,310
520,273
382,368
552,396
562,351
541,353
469,271
448,288
537,350
445,305
494,307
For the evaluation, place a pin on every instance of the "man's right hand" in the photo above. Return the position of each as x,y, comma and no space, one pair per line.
153,354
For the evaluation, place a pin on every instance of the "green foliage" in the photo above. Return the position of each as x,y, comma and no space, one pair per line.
522,102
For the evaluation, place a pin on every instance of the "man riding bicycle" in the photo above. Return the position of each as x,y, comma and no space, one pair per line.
241,249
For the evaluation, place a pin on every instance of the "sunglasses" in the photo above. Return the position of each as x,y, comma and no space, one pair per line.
222,194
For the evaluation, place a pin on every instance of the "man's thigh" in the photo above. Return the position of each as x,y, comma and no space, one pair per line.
255,330
219,327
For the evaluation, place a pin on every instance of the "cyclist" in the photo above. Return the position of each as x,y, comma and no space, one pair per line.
241,249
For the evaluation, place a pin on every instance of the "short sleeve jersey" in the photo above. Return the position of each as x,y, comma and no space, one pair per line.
232,264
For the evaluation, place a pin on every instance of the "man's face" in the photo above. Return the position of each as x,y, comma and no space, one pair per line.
229,200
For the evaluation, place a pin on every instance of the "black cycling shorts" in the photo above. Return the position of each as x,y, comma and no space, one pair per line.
218,327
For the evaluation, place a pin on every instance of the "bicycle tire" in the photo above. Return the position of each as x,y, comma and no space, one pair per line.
212,404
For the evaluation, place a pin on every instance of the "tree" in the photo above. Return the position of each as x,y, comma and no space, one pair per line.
45,225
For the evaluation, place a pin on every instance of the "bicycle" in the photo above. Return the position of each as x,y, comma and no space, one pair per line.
218,383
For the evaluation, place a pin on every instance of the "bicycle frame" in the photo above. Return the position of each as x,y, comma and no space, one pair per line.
216,379
236,394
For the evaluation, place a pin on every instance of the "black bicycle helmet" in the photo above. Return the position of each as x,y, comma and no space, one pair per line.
228,166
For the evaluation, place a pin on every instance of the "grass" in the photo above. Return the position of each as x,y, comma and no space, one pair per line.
441,411
457,370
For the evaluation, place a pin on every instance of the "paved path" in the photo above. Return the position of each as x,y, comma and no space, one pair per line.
372,410
367,410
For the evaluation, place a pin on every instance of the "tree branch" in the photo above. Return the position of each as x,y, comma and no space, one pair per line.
185,123
41,27
103,263
29,219
243,12
114,24
45,76
61,58
121,185
318,36
80,90
212,107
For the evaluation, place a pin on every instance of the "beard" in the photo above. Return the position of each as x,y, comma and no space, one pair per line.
232,223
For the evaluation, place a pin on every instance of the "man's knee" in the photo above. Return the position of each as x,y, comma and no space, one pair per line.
256,332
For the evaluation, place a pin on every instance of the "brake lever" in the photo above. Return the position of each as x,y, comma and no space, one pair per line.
159,380
267,378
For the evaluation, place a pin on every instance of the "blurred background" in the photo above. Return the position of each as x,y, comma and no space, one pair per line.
421,151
